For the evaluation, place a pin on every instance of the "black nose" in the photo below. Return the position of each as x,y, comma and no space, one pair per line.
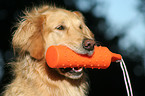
88,44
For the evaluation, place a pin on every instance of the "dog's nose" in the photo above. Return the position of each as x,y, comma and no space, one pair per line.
88,44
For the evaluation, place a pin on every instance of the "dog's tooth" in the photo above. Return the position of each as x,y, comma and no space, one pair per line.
79,70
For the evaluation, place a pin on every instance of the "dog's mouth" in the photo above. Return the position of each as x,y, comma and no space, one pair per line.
76,72
72,73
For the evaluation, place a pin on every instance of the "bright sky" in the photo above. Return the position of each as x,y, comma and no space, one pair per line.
122,13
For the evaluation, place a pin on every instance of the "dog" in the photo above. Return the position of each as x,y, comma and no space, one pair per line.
39,29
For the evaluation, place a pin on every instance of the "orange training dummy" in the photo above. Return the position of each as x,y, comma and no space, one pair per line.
64,57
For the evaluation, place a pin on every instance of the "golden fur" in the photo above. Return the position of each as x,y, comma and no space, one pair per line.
39,29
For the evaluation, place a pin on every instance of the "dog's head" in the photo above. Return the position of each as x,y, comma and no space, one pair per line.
47,26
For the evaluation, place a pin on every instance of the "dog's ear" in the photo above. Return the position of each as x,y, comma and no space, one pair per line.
79,14
28,38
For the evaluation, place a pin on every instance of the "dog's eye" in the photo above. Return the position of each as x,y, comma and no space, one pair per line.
80,27
61,27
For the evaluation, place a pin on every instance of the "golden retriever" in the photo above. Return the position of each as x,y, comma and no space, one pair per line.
40,28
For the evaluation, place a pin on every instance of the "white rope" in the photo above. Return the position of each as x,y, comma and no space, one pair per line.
126,78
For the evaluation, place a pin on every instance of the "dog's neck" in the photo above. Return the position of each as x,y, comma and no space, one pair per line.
36,75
